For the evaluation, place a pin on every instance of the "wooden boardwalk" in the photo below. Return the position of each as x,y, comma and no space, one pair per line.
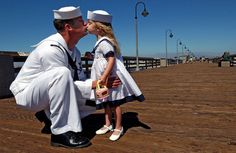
189,108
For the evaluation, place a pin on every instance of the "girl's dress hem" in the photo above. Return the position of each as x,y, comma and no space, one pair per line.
120,101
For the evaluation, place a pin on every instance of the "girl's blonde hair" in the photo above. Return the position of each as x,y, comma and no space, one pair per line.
106,30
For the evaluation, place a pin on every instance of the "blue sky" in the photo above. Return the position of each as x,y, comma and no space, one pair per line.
206,27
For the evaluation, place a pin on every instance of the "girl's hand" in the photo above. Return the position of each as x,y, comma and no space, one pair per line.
103,80
113,82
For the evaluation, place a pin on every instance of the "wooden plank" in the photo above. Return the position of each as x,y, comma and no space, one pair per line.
188,108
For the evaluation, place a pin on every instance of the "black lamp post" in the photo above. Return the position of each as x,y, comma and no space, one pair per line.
178,42
144,13
170,35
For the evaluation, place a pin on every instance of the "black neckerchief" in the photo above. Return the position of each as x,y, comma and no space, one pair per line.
71,62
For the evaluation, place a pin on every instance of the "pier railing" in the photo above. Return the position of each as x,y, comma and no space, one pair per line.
231,61
11,63
18,58
129,62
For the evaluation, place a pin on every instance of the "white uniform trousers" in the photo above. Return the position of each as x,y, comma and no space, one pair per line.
55,91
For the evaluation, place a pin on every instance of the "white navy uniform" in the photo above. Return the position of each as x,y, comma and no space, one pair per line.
128,91
45,82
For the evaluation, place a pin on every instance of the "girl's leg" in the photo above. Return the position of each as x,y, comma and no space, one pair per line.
108,119
118,117
108,123
118,131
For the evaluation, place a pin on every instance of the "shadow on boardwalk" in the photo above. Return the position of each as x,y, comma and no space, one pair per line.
188,108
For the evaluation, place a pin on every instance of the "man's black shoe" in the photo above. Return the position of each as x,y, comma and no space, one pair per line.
46,129
69,140
42,117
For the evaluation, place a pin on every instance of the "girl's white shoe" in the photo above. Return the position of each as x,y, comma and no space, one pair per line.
104,129
115,137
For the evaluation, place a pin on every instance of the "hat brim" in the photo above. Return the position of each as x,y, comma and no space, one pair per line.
99,17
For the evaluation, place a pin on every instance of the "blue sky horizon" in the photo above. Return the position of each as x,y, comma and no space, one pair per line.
206,27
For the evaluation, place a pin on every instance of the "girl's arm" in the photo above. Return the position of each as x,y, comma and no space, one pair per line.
110,64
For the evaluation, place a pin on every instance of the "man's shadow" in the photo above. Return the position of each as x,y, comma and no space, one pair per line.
93,122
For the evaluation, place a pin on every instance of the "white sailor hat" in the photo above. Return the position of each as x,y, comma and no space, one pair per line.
100,16
68,12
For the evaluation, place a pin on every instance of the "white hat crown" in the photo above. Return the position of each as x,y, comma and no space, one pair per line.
100,16
68,12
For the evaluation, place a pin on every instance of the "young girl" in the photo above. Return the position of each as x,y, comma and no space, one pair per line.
108,62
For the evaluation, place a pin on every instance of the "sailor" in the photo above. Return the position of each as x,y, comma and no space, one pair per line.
52,80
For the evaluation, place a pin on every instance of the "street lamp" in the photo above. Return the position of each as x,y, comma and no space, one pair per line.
177,49
183,55
183,47
170,35
144,13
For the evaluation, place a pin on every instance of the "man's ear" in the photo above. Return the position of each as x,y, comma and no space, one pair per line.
68,27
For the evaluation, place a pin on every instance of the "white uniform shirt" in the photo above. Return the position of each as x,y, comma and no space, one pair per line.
46,57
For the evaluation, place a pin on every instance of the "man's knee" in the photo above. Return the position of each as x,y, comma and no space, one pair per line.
62,72
60,76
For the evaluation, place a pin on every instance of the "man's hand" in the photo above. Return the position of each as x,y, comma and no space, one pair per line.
113,82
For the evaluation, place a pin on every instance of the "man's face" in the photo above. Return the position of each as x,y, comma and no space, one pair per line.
79,28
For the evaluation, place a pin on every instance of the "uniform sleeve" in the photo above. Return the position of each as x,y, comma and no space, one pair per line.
107,49
84,88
